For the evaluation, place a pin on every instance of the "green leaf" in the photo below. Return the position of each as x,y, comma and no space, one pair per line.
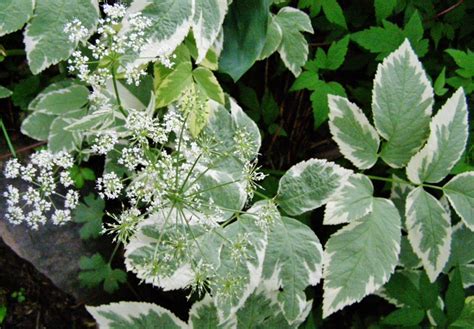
402,289
445,145
384,8
466,319
203,314
430,291
273,39
208,83
356,138
306,80
454,298
465,61
440,82
333,12
294,259
462,244
94,271
14,14
90,213
4,92
461,196
62,101
319,100
135,315
360,257
60,139
207,21
174,84
408,259
380,40
46,43
309,185
245,30
335,56
37,125
402,97
314,5
269,108
429,230
407,316
352,202
293,49
398,194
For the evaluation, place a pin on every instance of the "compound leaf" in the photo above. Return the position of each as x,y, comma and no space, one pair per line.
90,213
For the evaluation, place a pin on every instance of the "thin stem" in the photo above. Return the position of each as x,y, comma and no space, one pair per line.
113,253
114,81
7,138
401,181
262,195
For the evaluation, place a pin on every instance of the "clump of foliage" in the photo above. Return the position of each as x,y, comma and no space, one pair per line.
182,157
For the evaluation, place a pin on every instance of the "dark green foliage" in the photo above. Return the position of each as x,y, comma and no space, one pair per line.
96,271
90,213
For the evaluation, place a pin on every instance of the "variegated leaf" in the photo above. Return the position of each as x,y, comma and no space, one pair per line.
60,139
203,314
309,185
134,315
460,193
207,21
293,48
14,14
402,102
429,231
360,257
171,20
37,125
46,43
408,258
293,261
273,40
462,245
357,139
63,101
398,195
445,145
353,201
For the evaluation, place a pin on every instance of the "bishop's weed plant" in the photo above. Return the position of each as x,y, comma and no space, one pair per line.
181,156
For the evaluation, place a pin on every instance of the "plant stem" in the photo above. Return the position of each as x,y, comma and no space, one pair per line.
401,181
114,81
114,252
15,52
7,138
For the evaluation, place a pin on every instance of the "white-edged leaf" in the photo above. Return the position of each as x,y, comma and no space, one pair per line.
309,185
37,125
408,258
63,100
353,201
273,40
14,14
402,101
203,314
207,21
46,43
293,261
462,245
357,139
445,145
293,48
171,20
429,231
60,139
134,315
460,193
398,194
360,257
208,83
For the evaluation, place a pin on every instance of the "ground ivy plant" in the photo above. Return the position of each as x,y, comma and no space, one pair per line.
181,155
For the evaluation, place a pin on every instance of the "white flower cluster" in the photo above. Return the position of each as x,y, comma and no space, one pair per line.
104,142
76,31
34,205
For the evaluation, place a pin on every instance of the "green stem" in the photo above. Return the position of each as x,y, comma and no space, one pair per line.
401,181
114,81
113,253
7,138
15,52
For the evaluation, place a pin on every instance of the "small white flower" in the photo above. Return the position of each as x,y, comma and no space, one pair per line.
15,215
65,179
109,185
12,194
60,217
63,159
133,74
12,168
76,31
72,199
115,11
28,172
105,142
132,157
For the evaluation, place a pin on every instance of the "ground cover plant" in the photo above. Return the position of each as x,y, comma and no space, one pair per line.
152,108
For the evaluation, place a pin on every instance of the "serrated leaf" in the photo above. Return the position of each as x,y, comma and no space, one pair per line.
429,230
293,48
360,257
384,8
445,145
401,117
4,92
352,202
135,315
333,12
335,56
37,125
398,194
90,213
203,314
273,39
454,298
293,260
407,316
462,244
319,99
95,270
403,290
381,40
357,139
14,14
46,43
208,83
460,193
430,291
113,280
245,30
440,83
309,185
62,101
306,80
207,21
465,61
